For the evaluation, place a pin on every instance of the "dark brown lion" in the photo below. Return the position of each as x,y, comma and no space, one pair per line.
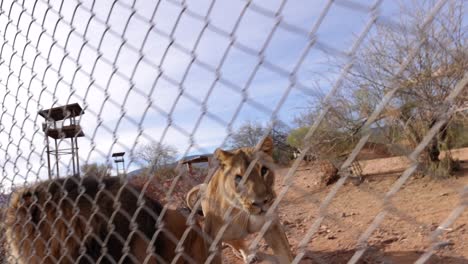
89,220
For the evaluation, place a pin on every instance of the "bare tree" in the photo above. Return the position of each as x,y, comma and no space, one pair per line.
248,135
439,64
156,155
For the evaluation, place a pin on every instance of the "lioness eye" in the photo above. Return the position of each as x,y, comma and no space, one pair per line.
238,179
264,171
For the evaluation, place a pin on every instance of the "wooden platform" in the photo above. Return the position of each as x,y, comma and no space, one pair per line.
62,112
65,132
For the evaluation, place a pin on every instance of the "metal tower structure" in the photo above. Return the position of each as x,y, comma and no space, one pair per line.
118,158
62,123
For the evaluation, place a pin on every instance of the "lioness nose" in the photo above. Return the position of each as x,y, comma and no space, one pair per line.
257,203
261,202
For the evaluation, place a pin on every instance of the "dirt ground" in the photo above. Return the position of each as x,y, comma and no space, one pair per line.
418,209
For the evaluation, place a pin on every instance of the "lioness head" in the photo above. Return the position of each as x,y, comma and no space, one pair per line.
251,192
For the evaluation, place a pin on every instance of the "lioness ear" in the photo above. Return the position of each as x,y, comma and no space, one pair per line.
222,155
267,145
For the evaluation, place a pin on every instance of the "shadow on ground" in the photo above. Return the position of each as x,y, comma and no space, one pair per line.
374,255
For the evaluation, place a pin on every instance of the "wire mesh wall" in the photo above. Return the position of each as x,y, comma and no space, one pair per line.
159,85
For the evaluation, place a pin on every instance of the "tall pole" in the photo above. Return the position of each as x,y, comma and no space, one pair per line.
57,158
123,166
48,157
72,122
77,157
73,156
117,167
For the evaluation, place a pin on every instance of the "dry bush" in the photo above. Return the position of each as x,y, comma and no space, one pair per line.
443,169
95,170
165,173
161,181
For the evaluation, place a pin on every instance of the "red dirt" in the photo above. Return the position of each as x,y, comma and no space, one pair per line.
419,207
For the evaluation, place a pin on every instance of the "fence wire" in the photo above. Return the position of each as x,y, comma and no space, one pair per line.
187,73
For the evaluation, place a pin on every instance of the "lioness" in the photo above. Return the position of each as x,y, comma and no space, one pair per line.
250,199
90,220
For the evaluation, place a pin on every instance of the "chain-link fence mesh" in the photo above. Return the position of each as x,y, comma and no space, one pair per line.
109,107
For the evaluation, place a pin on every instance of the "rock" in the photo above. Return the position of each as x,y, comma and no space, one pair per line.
346,215
390,240
444,244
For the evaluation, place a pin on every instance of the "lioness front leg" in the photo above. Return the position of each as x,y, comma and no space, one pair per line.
211,229
277,240
241,250
238,246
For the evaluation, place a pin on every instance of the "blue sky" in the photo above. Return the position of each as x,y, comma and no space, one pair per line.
92,52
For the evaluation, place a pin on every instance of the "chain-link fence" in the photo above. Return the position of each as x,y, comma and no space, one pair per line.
109,107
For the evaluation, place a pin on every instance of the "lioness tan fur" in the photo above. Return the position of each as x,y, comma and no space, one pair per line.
250,200
89,220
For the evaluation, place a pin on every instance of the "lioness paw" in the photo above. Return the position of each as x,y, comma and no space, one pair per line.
260,257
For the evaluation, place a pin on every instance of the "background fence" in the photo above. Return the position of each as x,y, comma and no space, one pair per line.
164,80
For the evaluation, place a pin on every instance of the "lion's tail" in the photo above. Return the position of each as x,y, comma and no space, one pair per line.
194,195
